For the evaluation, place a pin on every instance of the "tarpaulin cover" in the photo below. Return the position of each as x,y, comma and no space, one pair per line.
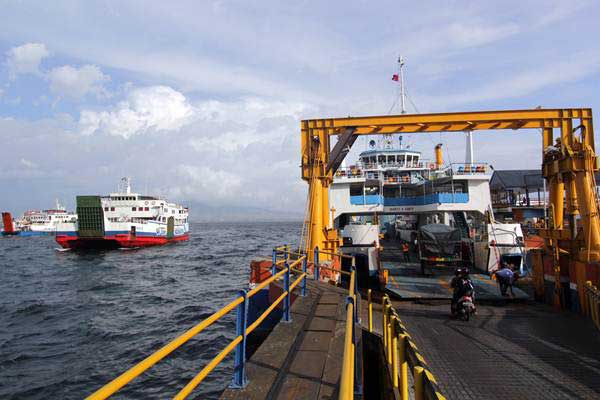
439,240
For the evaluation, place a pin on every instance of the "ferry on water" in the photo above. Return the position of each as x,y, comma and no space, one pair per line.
37,222
124,220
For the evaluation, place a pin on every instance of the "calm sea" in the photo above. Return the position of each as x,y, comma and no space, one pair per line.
70,322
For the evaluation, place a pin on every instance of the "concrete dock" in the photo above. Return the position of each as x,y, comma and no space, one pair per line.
301,359
507,351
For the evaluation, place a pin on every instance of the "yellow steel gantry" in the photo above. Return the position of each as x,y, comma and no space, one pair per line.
568,165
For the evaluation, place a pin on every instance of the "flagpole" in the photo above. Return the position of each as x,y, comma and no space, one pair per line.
402,93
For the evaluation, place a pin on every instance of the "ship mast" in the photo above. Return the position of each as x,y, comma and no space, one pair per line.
402,91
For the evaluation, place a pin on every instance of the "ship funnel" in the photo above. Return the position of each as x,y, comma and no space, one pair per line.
8,223
439,157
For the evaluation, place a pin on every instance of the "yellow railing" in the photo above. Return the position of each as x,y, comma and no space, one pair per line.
122,380
400,353
349,360
592,294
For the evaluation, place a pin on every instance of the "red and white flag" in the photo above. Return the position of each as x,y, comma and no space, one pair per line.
395,77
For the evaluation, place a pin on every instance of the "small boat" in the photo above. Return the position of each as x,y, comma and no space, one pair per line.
124,220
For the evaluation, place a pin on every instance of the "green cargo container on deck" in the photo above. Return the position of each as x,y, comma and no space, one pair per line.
90,216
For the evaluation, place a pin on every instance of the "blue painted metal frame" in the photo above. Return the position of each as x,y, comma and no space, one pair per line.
286,301
316,264
239,367
304,264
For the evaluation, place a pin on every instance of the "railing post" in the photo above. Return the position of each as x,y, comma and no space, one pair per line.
384,324
239,368
274,267
286,287
370,298
394,352
316,263
403,367
388,334
286,253
418,379
353,271
304,264
357,357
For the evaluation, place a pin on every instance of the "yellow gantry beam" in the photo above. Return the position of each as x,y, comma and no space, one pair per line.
578,156
451,122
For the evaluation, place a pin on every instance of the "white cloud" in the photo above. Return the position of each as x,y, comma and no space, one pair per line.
153,108
76,82
28,164
247,121
25,59
203,183
525,82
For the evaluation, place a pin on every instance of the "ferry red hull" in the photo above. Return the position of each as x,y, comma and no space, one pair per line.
116,241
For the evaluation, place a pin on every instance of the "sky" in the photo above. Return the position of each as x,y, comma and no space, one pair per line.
201,101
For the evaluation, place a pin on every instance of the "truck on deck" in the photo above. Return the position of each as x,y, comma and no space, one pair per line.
439,244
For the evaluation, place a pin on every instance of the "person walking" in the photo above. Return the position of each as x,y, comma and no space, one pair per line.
406,251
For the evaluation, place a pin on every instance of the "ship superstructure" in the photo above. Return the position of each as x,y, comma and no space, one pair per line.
394,190
124,219
45,222
395,180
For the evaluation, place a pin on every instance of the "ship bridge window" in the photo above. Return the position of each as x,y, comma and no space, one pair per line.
146,209
401,159
381,159
356,189
112,209
391,159
133,208
409,160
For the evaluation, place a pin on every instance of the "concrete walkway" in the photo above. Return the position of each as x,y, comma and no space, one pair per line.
301,359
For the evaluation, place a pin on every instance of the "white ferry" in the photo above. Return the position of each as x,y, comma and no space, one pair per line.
391,189
124,219
44,222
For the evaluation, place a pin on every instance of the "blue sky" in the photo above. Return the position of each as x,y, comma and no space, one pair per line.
201,101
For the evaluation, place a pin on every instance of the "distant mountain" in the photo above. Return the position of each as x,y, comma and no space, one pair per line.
200,212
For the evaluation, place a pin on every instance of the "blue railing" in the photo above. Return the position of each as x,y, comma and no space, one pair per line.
410,201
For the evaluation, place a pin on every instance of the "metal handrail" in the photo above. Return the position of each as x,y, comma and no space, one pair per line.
592,295
217,360
401,352
335,254
348,363
123,379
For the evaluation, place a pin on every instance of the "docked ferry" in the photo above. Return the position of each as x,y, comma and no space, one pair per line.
391,192
124,220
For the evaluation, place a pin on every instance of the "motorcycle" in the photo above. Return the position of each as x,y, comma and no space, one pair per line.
465,307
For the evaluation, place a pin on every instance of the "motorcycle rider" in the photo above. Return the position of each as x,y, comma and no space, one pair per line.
462,285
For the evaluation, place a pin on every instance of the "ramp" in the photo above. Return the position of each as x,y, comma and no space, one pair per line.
407,283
